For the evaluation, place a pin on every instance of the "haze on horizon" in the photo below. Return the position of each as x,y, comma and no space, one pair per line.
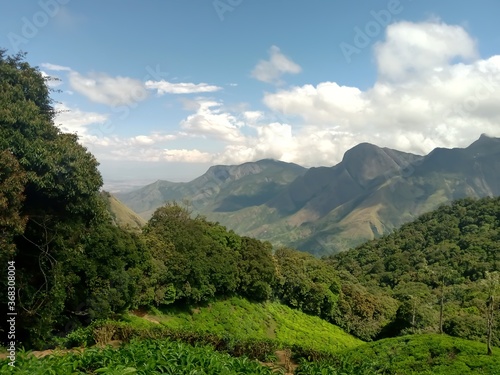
165,91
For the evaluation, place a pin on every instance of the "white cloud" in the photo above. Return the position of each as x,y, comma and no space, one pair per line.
186,156
270,71
309,146
113,91
152,139
411,49
55,67
210,121
424,97
165,87
253,115
74,120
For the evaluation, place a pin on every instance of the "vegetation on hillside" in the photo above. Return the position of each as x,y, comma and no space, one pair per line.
442,270
409,355
140,357
237,317
75,268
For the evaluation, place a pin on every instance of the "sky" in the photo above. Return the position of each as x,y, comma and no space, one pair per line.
163,89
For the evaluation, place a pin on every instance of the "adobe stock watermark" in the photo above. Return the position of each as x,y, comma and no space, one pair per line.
11,312
223,6
363,37
32,25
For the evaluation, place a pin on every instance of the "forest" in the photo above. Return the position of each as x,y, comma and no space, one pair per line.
75,268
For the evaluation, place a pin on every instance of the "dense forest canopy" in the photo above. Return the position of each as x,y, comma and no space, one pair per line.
442,269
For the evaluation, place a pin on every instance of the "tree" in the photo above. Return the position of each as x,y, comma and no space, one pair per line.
415,312
307,283
256,269
51,195
203,257
12,222
492,287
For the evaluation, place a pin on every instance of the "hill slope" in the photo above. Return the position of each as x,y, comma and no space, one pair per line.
442,268
121,215
221,189
325,210
271,320
411,355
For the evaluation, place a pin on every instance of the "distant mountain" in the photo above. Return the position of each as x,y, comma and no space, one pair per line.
222,188
324,210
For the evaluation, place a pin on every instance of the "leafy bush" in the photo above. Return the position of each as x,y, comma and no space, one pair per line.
141,357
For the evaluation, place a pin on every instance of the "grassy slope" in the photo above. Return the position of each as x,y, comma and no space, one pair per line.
240,318
121,214
424,354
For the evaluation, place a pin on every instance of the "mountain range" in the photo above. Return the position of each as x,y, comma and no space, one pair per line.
324,210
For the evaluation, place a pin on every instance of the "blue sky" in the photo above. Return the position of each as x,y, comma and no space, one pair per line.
163,89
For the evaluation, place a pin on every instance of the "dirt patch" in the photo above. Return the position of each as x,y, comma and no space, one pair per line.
151,319
283,361
139,312
144,314
271,327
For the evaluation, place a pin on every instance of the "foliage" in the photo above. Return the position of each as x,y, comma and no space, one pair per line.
433,267
242,319
306,283
422,354
361,311
139,357
199,260
12,222
71,264
256,270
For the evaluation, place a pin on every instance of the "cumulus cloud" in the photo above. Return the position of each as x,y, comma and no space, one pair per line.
104,89
164,87
411,49
74,120
270,71
210,121
152,139
186,156
430,92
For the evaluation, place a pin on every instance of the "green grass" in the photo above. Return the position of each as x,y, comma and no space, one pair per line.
296,328
240,318
408,355
141,357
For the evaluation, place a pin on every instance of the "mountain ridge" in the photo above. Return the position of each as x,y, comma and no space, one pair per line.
323,210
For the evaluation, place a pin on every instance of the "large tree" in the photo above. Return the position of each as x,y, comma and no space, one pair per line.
49,188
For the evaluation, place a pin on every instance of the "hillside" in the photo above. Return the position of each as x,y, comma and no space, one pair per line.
410,355
121,215
325,210
221,189
240,318
442,268
73,276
